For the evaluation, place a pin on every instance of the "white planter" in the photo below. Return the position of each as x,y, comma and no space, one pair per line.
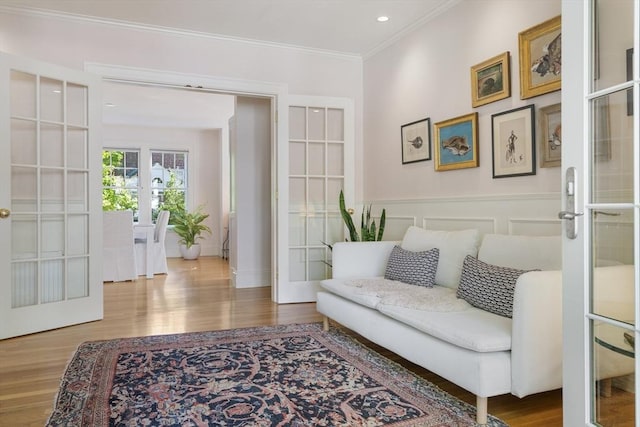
191,253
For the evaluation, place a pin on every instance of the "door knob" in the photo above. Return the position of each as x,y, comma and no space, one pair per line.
4,213
351,211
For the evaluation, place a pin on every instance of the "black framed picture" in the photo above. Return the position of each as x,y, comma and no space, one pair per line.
513,142
416,141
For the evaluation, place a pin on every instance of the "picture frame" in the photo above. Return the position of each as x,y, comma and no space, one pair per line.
416,141
457,143
550,135
540,56
513,142
491,80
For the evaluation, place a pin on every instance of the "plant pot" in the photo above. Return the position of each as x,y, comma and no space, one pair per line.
190,253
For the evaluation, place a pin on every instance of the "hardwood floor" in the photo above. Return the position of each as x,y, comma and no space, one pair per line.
194,296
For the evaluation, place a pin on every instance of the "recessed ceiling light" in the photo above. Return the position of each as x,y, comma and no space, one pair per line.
383,18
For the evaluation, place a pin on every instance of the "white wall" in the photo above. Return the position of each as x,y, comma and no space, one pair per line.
250,233
204,163
427,74
73,43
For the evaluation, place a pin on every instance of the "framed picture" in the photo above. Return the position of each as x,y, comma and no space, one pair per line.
490,80
416,141
513,142
540,58
550,136
457,143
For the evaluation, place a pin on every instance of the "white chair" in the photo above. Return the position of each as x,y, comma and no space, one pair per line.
118,260
157,253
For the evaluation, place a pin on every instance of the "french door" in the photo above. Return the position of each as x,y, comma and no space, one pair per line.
320,165
49,198
601,208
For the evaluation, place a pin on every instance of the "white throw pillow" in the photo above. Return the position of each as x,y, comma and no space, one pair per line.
454,246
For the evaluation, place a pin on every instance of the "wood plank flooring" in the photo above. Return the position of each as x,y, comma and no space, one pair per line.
194,296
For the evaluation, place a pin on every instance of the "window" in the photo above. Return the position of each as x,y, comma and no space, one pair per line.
168,182
120,180
122,189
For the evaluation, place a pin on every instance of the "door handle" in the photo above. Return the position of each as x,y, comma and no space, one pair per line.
569,215
4,213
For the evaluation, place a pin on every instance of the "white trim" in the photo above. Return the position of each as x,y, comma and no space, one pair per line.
411,28
468,198
280,158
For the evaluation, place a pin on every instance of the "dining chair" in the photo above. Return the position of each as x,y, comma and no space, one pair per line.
118,260
156,247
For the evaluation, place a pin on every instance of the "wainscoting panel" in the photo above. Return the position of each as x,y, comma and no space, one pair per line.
535,226
523,214
485,225
395,226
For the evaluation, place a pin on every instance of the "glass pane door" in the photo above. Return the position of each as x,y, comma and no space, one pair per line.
611,214
48,198
320,166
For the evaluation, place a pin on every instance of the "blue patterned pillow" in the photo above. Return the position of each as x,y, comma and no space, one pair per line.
488,287
414,268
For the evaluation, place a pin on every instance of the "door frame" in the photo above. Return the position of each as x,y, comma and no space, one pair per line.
278,93
577,272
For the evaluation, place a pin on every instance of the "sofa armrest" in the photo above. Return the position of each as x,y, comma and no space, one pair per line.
360,259
536,336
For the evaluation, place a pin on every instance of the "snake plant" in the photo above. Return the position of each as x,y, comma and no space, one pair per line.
368,231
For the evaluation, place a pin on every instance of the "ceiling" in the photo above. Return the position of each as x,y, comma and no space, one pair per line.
345,27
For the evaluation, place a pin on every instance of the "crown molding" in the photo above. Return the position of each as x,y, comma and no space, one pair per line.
47,14
411,28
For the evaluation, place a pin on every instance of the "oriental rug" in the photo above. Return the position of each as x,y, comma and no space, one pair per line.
287,375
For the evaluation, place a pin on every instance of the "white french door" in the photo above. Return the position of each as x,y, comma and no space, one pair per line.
320,165
49,197
601,147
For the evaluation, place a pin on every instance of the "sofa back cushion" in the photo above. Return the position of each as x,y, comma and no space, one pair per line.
522,252
453,246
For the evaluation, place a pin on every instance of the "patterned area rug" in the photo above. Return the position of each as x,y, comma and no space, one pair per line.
290,375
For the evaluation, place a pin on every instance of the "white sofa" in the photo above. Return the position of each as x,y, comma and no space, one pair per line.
484,353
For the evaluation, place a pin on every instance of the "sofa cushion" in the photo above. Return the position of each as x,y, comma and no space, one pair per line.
453,246
413,268
362,295
522,252
488,287
371,291
473,329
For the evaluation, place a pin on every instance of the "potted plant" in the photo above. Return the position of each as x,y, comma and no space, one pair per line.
189,227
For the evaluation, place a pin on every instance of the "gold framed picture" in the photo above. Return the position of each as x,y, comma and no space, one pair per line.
540,50
457,143
490,80
550,135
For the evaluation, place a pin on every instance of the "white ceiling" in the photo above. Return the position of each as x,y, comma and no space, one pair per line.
340,26
347,26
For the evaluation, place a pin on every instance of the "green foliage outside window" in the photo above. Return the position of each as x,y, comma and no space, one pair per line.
172,200
115,196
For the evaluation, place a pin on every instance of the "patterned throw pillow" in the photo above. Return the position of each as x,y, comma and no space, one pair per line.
487,286
414,268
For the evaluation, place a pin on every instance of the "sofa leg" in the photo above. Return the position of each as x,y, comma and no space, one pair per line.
481,410
325,323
